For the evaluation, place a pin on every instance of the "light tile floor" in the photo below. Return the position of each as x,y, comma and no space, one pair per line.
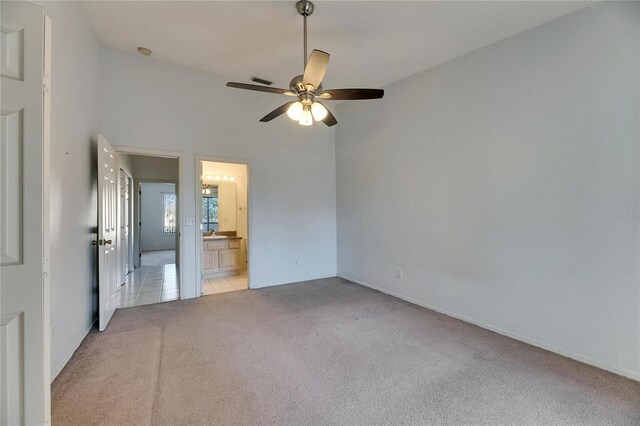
157,257
150,284
223,285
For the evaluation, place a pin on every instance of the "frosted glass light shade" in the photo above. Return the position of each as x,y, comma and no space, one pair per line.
319,111
295,111
306,119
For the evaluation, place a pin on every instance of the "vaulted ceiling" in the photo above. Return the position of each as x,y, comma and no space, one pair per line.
371,43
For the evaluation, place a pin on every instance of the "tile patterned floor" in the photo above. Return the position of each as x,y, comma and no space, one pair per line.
223,285
157,257
150,284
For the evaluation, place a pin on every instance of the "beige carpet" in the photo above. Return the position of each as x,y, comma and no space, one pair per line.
323,352
111,379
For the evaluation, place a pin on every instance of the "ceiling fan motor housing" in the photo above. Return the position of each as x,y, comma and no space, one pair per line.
297,86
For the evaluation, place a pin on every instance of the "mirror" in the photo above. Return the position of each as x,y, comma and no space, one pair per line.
219,206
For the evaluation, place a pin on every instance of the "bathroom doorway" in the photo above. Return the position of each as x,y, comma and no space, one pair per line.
223,215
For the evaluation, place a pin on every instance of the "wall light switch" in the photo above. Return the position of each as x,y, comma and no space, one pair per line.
191,221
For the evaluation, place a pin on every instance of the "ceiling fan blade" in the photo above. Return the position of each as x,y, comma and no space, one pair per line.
351,94
260,88
329,120
316,67
276,112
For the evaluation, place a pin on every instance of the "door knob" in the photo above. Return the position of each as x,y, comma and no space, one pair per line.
94,242
107,242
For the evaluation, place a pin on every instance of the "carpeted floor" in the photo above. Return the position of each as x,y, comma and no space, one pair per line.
323,352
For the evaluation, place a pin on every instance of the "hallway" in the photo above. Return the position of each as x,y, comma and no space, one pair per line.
157,257
150,284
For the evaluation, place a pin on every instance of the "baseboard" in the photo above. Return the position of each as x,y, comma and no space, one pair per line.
252,287
635,375
55,374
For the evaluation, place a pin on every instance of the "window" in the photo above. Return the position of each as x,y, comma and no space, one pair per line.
210,213
169,209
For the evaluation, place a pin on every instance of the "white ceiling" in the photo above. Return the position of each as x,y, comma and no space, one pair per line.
371,43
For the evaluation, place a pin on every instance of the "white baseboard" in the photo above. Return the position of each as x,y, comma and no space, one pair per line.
73,350
635,375
322,277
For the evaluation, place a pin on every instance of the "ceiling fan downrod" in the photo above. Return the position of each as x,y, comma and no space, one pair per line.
304,8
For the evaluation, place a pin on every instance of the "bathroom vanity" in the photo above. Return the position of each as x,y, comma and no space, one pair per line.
220,256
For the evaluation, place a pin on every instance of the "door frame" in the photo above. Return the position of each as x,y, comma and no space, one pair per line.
198,206
181,196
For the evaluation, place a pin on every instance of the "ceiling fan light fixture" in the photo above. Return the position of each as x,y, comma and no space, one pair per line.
306,119
318,111
308,85
295,111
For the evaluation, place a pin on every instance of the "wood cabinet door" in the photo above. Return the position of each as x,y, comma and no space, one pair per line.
228,260
209,261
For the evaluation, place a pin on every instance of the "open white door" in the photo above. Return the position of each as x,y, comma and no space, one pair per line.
24,215
108,282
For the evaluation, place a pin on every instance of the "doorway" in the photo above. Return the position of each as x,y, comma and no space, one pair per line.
157,223
154,240
222,205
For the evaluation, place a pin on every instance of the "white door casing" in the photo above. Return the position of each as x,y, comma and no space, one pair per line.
25,59
108,282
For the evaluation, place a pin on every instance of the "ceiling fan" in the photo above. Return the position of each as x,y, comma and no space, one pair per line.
308,86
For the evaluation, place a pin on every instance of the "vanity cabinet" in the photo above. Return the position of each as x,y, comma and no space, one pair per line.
228,260
220,257
209,261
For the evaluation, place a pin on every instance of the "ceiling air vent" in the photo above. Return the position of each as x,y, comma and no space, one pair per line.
261,81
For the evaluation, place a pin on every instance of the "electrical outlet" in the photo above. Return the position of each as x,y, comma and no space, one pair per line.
53,331
191,221
399,272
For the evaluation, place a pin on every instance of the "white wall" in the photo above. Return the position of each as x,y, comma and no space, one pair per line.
154,168
76,112
150,104
152,217
489,180
126,163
